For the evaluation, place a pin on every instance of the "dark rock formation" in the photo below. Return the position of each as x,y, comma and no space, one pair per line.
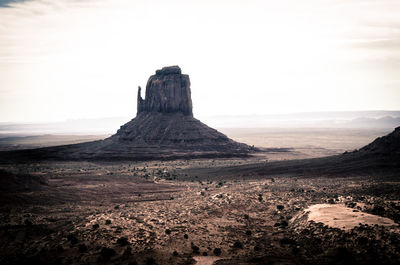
164,128
175,131
167,91
388,145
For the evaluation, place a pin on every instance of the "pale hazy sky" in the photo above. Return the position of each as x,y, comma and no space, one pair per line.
69,59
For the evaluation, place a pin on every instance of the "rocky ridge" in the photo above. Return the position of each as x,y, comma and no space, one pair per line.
385,145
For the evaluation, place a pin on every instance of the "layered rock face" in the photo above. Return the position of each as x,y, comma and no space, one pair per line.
167,91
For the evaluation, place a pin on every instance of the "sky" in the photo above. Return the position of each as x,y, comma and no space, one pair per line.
70,59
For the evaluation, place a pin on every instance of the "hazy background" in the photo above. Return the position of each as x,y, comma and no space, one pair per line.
72,60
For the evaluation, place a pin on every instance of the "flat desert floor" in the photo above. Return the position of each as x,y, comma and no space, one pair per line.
306,142
155,213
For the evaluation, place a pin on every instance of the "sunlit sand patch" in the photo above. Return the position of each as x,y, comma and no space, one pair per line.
340,216
205,260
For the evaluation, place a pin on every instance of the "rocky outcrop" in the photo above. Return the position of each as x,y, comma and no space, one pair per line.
387,145
168,91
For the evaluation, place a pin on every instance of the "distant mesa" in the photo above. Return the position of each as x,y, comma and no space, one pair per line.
164,128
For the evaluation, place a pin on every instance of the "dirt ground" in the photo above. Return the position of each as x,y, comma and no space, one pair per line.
177,212
152,213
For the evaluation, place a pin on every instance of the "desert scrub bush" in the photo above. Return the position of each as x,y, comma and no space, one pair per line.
195,248
217,251
106,253
150,261
238,244
122,241
73,240
82,248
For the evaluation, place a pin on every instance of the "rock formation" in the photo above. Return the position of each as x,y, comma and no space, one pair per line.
167,91
165,122
388,145
164,128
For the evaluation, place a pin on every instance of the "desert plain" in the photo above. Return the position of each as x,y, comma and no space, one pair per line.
187,211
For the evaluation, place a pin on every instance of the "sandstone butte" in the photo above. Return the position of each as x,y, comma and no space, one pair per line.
164,128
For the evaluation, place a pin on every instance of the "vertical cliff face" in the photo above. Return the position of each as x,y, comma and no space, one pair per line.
168,91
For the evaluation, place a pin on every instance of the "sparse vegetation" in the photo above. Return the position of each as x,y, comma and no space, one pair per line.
217,251
150,261
195,249
106,253
122,241
233,210
82,248
238,244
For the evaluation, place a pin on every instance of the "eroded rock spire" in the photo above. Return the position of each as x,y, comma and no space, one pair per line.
140,101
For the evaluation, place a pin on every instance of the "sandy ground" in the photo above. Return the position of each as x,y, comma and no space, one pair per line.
343,217
306,142
205,260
